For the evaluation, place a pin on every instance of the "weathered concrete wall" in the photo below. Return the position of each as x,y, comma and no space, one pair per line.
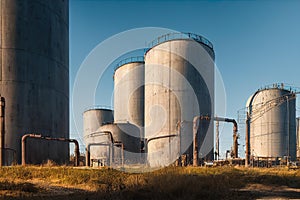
129,93
34,75
94,118
179,85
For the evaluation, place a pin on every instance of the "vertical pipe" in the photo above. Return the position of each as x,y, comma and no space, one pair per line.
217,140
122,148
288,130
2,131
235,141
179,143
111,154
77,153
247,141
87,157
24,137
195,141
24,150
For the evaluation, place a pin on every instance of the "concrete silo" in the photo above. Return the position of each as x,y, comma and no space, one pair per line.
35,76
272,123
94,118
179,85
129,78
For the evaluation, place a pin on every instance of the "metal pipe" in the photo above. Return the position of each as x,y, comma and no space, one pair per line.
195,141
122,151
87,150
288,130
235,135
179,142
2,131
93,134
247,156
39,136
111,152
217,141
88,154
159,137
195,137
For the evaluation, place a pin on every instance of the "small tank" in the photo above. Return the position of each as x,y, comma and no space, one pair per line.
95,117
129,78
272,123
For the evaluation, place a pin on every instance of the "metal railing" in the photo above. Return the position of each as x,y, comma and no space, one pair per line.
129,60
283,86
174,36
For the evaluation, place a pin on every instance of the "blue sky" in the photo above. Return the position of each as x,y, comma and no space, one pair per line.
256,42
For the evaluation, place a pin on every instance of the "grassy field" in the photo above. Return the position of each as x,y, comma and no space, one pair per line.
35,182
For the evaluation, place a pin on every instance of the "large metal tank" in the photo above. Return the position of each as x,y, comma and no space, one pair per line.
34,76
95,117
179,85
110,138
272,123
129,78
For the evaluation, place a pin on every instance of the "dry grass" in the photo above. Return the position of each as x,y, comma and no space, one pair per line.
47,182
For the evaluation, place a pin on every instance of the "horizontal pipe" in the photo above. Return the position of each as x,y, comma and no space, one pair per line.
235,137
39,136
94,134
117,143
160,137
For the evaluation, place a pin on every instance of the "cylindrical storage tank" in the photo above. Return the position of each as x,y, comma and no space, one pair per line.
179,85
34,76
129,81
94,118
298,138
272,125
100,144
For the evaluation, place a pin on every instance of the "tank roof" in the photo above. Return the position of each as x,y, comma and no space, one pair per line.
276,86
134,59
280,86
98,107
181,36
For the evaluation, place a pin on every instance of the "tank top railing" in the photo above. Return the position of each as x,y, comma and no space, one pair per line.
174,36
130,60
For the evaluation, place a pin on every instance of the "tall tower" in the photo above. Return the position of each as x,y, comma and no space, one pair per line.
179,85
34,76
